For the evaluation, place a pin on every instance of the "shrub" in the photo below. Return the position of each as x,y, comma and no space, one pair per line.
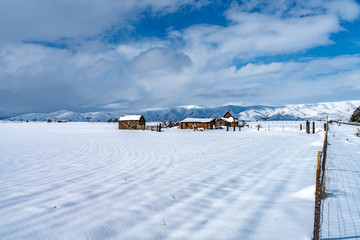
355,117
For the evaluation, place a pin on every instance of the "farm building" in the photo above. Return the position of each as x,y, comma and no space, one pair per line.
132,122
191,123
227,120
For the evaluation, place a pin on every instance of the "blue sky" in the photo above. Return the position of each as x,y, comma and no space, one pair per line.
133,55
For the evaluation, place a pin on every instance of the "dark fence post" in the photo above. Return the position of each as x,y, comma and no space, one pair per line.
324,151
313,127
307,127
300,127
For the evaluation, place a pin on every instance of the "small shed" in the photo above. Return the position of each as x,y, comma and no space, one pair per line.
227,120
191,123
135,122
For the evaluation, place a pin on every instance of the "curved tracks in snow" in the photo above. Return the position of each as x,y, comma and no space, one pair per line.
92,181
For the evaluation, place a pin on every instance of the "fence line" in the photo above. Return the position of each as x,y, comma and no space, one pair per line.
348,123
320,187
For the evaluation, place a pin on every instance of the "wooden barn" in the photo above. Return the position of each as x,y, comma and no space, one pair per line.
227,120
136,122
192,123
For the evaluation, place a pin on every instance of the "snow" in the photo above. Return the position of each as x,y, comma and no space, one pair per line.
93,181
130,118
64,115
202,120
191,106
342,207
229,119
319,111
306,193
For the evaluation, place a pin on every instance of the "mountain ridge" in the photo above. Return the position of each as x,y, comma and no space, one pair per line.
318,111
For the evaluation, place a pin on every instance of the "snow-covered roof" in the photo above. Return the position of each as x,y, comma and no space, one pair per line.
202,120
229,119
130,118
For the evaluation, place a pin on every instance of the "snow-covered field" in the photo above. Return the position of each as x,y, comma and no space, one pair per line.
93,181
342,207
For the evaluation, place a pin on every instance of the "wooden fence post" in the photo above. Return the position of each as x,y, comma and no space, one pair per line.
307,127
316,233
313,127
327,125
300,127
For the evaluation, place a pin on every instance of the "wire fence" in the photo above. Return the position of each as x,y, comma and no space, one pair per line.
320,187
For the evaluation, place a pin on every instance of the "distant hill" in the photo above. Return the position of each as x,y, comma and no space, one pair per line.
333,110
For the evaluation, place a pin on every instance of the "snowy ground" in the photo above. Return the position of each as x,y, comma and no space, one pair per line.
342,207
93,181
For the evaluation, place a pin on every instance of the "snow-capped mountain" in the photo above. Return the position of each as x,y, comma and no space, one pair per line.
332,110
64,115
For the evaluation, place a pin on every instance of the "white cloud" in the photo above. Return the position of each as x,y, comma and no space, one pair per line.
34,76
50,20
346,9
254,69
154,59
133,49
55,78
271,28
353,79
129,51
151,72
253,34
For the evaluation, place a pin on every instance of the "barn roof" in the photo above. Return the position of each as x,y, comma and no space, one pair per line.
229,119
130,117
201,120
229,111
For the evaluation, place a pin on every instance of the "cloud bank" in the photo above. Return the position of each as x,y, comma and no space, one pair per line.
58,55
